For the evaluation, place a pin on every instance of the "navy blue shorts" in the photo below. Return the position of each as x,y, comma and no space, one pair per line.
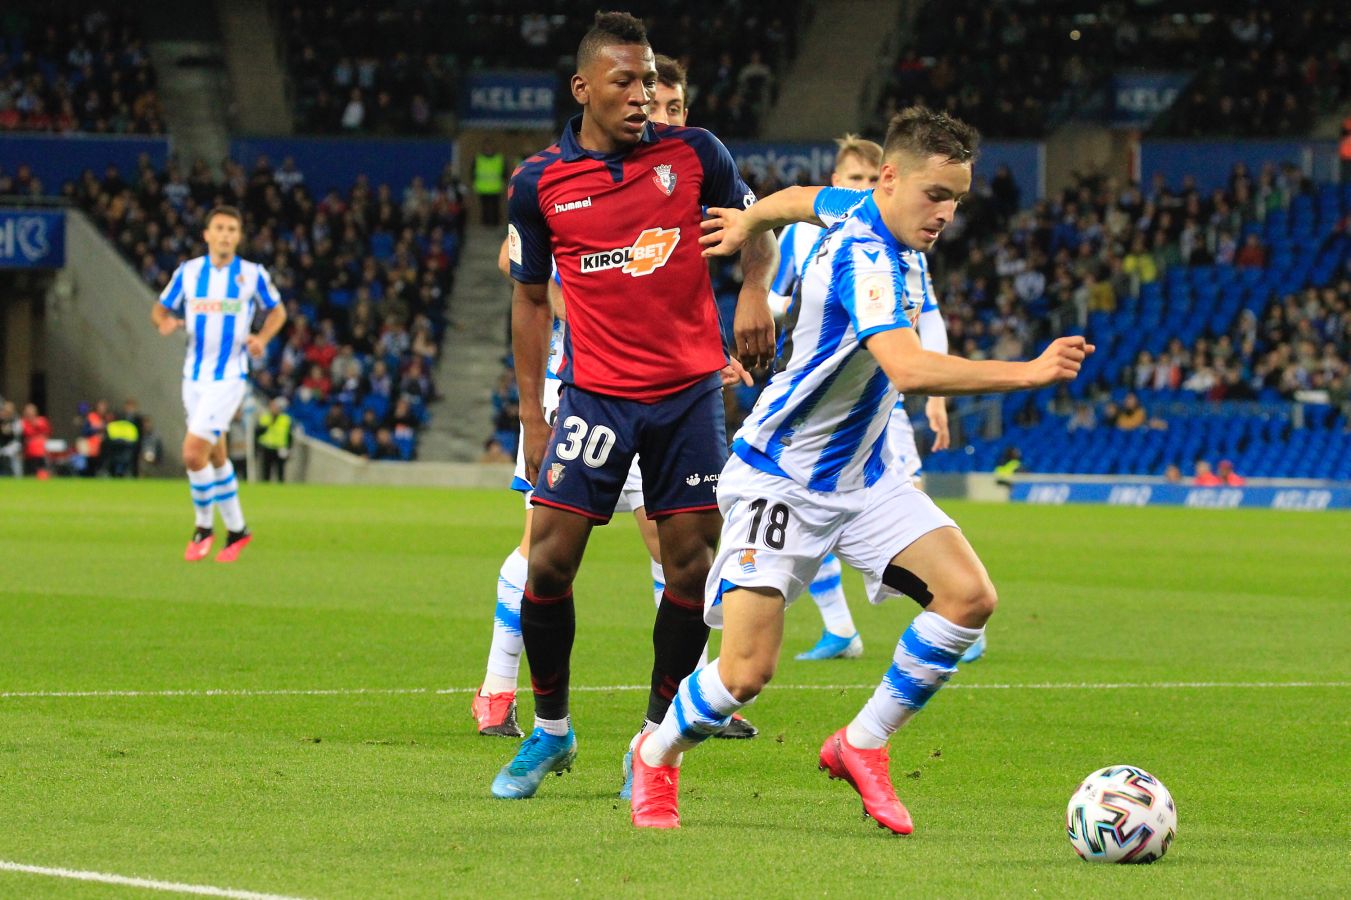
681,442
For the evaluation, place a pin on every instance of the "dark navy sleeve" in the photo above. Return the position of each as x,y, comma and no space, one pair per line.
723,185
528,244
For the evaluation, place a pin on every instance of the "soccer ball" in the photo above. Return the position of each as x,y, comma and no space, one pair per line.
1121,814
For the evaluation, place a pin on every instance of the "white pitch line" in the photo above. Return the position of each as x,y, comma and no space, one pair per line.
601,689
146,883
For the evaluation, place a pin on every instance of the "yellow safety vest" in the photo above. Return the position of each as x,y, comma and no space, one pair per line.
1008,469
489,172
123,430
276,431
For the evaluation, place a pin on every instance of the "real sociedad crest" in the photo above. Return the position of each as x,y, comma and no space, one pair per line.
665,179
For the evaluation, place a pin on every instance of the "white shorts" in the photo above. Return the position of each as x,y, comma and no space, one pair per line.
901,442
552,387
630,498
211,406
775,532
631,495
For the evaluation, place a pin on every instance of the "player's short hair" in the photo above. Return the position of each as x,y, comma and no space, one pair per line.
608,29
921,132
673,74
230,211
870,152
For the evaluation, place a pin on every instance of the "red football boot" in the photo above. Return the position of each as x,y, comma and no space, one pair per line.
655,802
234,545
869,773
496,714
199,545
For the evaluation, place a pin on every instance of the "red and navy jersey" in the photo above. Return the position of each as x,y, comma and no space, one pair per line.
624,231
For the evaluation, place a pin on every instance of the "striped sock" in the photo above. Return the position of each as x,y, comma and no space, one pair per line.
227,497
203,484
926,657
702,706
658,582
504,658
827,590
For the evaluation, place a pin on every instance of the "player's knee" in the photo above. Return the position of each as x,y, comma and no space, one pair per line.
550,576
978,599
195,454
745,678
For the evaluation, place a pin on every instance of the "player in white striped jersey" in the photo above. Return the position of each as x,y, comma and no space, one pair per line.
857,163
810,472
494,704
214,297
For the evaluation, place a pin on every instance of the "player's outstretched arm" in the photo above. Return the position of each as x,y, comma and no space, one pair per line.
911,368
164,320
729,229
257,343
531,326
503,260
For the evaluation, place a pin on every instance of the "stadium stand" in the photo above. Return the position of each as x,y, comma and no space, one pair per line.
356,69
1020,69
70,69
1228,317
366,277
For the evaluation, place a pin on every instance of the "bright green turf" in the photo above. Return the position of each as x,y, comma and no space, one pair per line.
361,796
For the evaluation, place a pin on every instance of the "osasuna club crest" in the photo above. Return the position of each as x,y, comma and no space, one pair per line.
665,179
555,474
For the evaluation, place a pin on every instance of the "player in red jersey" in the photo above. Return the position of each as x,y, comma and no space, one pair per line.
617,203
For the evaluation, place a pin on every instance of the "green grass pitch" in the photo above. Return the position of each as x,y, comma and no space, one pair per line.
1236,625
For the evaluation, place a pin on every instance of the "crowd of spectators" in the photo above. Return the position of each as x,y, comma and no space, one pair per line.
1268,72
116,443
1015,67
366,276
361,69
63,73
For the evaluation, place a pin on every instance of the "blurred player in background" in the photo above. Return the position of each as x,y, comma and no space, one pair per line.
809,475
616,203
214,298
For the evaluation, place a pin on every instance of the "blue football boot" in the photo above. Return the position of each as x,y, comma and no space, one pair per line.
540,754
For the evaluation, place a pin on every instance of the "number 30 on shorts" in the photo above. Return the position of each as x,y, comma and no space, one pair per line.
775,521
594,450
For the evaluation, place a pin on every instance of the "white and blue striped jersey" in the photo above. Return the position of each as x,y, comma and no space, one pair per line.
820,420
795,248
217,304
557,341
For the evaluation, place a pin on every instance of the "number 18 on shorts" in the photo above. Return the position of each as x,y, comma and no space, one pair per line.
776,532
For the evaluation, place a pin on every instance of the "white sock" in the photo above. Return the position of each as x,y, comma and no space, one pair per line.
556,727
658,582
648,727
227,497
926,657
504,658
701,707
203,485
827,590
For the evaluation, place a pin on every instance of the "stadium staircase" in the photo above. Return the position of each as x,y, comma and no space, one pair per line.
471,356
834,66
186,50
253,59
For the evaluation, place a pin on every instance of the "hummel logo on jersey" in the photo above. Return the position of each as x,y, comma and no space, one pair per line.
229,307
665,178
649,252
571,205
555,474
